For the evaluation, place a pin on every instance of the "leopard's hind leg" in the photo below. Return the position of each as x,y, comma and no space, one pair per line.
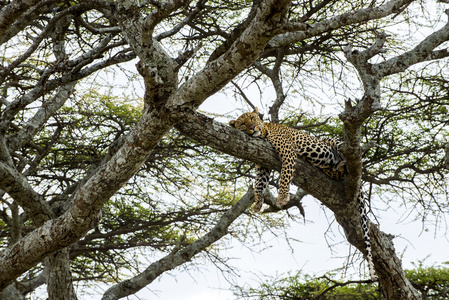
262,179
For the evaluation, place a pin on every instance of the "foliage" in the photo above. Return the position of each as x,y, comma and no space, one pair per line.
432,282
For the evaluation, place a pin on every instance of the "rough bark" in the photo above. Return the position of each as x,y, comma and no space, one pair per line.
59,279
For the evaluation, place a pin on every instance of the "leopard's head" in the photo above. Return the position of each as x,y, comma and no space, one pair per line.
249,123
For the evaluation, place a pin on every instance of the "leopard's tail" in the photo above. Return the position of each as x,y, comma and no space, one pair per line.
365,228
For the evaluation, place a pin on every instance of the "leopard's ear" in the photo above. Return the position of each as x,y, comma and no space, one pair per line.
232,123
256,110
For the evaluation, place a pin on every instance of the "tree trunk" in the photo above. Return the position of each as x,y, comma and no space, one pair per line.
59,280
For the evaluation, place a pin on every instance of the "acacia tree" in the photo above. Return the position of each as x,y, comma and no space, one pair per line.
186,52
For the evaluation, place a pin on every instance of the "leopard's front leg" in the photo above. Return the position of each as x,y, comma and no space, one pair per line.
262,178
288,168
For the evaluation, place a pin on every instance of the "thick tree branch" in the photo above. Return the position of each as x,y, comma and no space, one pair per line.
348,18
424,51
11,292
353,117
236,33
221,70
371,75
16,185
59,277
396,286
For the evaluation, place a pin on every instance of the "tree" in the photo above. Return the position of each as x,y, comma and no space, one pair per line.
61,171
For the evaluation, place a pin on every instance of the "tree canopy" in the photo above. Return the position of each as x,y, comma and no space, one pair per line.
92,176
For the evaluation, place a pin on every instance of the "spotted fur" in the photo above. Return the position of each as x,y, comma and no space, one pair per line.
290,143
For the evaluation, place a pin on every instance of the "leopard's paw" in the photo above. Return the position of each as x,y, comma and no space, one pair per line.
283,199
341,167
257,206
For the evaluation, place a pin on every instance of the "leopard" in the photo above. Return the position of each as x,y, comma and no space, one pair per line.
291,143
